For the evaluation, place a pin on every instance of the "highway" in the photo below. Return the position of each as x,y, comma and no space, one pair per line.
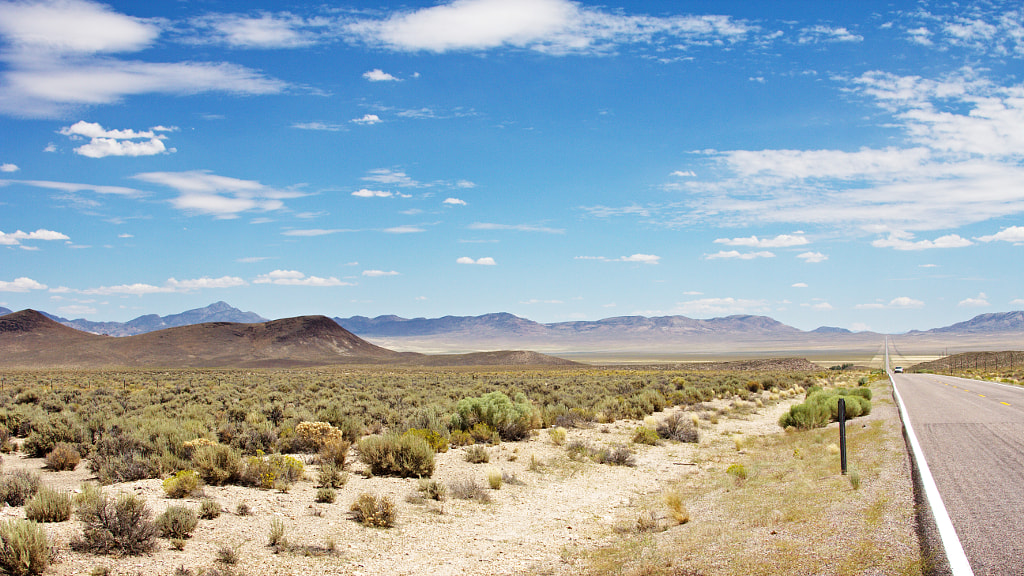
972,436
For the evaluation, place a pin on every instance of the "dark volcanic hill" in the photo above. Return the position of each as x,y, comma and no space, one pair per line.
28,339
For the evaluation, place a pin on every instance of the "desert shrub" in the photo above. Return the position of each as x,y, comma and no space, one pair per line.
577,450
63,457
184,483
326,495
678,427
49,505
177,522
461,438
217,464
209,509
485,433
47,434
314,435
619,456
276,538
676,507
438,442
737,471
477,454
822,407
225,555
557,436
374,511
87,500
805,416
511,418
189,447
243,509
121,525
18,486
393,455
330,476
431,489
335,452
645,435
468,489
119,457
495,479
24,548
273,471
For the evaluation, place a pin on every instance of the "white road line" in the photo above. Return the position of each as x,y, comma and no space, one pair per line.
958,563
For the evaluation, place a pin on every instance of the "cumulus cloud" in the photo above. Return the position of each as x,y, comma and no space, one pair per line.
22,284
734,254
780,241
378,75
367,120
485,261
367,193
223,197
64,54
720,306
454,202
901,240
15,238
7,167
550,26
1014,234
296,278
379,273
981,300
812,257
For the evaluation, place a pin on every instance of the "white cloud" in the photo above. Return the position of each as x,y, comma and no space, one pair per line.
734,254
1017,302
515,227
205,282
485,261
465,184
296,278
103,147
454,202
899,302
70,187
980,301
551,26
388,176
313,232
720,306
64,54
367,120
321,126
819,33
223,197
812,257
7,167
684,174
404,230
901,240
1014,234
22,284
642,258
824,306
536,301
76,310
172,285
799,285
15,238
379,273
378,75
267,31
366,193
780,241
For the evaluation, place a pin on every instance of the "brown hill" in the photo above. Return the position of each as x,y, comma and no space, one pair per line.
28,339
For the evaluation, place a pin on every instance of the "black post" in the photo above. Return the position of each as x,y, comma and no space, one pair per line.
842,435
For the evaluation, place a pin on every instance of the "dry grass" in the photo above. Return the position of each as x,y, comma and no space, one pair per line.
772,522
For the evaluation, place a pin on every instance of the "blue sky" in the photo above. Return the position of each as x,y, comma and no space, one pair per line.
855,164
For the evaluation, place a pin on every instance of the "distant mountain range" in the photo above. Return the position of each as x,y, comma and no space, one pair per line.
637,335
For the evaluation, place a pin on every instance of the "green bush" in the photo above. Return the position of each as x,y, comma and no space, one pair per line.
49,505
184,483
273,471
477,454
377,512
438,442
276,539
393,455
326,495
63,457
121,525
330,476
24,548
209,509
18,486
644,435
217,464
512,419
805,416
177,522
55,429
822,407
431,489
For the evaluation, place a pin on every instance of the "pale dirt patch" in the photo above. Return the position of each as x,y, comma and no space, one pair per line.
527,527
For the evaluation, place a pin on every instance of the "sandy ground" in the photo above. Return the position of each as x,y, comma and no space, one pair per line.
527,526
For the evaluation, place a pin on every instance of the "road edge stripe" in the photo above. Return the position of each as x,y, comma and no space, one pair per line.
958,564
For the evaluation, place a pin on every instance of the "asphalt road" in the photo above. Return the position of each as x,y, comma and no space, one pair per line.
972,435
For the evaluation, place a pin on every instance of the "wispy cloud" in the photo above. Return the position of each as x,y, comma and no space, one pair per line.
720,306
898,302
296,278
812,257
282,30
638,258
515,227
314,232
201,192
389,176
319,126
780,241
821,33
171,285
900,240
405,229
379,273
736,255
